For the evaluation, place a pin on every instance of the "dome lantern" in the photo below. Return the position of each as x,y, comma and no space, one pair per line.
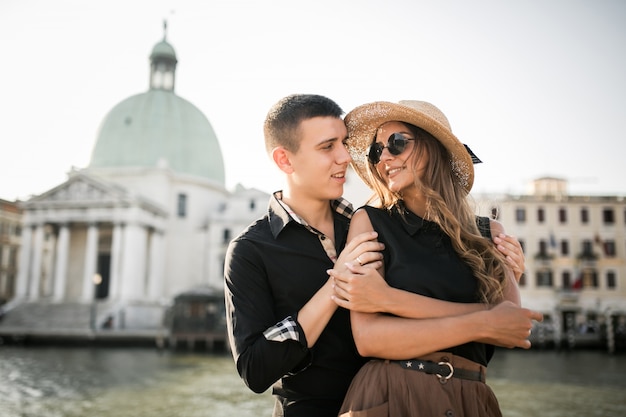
163,64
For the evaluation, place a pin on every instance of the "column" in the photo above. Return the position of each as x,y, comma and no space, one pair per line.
36,263
21,286
134,263
156,259
60,270
117,254
91,259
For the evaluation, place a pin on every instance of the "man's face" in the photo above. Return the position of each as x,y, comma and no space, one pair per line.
321,162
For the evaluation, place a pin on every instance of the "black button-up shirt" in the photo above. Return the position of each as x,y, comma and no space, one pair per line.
272,269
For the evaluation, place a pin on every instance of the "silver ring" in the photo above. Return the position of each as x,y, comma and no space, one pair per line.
358,259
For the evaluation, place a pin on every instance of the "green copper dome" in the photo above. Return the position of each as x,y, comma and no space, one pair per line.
158,126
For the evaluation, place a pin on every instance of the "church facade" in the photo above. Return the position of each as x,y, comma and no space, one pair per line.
147,219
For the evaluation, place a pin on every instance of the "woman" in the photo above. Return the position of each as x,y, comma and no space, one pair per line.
422,175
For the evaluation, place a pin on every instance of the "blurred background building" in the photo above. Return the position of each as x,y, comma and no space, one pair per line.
575,249
148,219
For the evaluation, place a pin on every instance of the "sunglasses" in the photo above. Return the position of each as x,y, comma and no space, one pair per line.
395,145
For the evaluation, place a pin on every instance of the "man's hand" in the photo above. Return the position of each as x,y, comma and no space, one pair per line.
512,250
361,250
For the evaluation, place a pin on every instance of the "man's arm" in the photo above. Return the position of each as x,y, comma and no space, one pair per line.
315,314
249,313
266,347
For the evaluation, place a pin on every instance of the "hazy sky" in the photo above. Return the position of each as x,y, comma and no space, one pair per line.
535,87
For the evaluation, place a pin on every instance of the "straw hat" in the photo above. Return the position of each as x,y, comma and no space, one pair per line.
364,121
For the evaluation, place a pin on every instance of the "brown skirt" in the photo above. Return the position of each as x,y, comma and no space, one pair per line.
385,389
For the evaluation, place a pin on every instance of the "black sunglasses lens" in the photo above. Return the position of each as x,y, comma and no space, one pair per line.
396,144
374,153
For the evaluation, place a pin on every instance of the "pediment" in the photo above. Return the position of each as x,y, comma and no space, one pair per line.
82,188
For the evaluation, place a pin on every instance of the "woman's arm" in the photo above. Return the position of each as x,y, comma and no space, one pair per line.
389,337
364,289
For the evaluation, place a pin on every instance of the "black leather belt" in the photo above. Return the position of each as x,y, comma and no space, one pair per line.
443,370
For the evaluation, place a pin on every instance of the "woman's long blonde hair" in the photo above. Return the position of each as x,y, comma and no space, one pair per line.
447,205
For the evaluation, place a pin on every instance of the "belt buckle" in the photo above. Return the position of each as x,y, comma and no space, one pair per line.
444,379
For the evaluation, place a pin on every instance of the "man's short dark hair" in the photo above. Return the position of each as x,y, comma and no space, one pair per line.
284,118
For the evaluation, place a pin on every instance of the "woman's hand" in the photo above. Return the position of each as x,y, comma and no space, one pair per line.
359,288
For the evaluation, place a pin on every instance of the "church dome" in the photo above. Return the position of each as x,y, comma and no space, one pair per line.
158,127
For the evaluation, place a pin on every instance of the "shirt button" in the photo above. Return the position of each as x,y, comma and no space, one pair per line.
449,413
323,237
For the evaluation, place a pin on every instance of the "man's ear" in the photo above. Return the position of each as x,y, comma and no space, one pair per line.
281,157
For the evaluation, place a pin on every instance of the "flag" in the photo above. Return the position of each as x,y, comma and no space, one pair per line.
552,241
578,282
598,239
603,245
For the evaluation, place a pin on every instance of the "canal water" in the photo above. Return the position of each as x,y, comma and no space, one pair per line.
141,382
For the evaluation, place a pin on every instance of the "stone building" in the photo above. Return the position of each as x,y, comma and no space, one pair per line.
575,249
147,219
10,239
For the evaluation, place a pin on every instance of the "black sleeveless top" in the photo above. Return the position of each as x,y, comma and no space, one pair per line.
419,258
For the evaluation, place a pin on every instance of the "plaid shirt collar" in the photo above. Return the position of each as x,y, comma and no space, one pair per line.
280,213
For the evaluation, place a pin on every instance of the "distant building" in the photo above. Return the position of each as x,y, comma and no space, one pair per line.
575,249
148,219
10,236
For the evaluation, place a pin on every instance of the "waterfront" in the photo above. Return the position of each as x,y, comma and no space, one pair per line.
142,382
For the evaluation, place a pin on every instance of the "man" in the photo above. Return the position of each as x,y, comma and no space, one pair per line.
284,326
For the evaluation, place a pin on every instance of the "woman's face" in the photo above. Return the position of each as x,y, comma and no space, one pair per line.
397,171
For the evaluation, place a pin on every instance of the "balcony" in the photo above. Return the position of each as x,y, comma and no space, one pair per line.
587,256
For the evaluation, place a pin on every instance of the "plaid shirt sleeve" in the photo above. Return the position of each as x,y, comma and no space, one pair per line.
287,329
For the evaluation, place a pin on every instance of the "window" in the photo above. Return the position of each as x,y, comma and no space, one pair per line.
522,243
13,257
584,215
608,216
252,205
564,247
495,213
567,280
520,215
182,205
590,278
562,215
544,278
226,235
541,215
609,248
611,280
543,247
